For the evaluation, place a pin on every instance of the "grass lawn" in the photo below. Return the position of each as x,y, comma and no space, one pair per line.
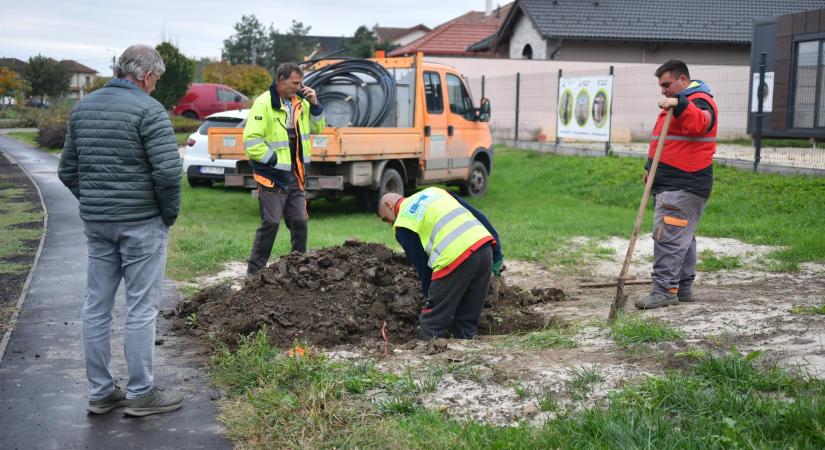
30,138
537,202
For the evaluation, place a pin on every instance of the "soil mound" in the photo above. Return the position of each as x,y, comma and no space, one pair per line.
341,295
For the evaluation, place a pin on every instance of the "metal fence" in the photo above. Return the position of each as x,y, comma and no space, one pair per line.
531,115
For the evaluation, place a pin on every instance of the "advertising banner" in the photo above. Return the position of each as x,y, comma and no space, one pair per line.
584,108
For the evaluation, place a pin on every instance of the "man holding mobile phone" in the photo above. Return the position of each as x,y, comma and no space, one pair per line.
277,142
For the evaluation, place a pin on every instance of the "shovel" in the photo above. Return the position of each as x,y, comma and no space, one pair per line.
621,298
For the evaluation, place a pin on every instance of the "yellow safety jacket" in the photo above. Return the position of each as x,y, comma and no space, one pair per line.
446,228
266,134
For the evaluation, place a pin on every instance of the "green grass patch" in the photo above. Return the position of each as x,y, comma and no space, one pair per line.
30,138
717,402
807,310
182,137
633,329
711,262
537,203
554,336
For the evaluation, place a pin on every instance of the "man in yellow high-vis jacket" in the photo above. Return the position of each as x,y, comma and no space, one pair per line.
454,249
277,142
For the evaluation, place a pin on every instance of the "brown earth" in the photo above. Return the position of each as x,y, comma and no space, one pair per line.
11,282
343,295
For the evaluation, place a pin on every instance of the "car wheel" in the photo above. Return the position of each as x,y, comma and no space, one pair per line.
476,184
199,182
190,115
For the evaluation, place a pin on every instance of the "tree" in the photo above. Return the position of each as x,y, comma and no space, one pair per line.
46,77
247,79
175,81
246,45
290,47
10,82
200,65
97,84
362,44
252,43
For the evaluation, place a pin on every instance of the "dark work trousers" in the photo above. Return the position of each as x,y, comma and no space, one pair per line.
675,219
455,301
275,203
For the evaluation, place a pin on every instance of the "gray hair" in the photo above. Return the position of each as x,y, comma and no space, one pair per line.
137,60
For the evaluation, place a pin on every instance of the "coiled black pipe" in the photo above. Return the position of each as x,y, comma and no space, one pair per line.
344,72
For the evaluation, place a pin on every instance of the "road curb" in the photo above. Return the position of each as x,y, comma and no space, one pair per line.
7,335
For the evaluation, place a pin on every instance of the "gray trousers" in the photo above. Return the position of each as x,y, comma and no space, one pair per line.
136,253
675,219
276,203
455,301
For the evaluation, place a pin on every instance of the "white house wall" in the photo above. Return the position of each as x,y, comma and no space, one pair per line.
524,32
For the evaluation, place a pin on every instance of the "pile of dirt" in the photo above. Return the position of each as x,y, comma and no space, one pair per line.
341,295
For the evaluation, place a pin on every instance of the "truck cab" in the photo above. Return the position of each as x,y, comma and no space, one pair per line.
432,134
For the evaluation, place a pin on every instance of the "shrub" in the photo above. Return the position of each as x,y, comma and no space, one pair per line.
184,124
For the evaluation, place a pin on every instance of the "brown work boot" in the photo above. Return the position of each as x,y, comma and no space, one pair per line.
114,400
155,401
656,300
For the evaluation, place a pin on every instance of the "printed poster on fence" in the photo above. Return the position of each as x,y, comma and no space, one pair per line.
584,108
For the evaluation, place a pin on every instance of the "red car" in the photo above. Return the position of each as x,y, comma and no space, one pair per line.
203,99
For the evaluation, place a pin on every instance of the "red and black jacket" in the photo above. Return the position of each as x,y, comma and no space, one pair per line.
687,157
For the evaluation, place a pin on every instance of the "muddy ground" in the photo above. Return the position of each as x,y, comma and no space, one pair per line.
343,295
491,380
11,281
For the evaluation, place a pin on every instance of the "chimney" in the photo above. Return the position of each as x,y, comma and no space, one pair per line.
488,8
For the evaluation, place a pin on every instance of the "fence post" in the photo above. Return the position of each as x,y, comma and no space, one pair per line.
482,86
518,94
760,95
609,116
558,102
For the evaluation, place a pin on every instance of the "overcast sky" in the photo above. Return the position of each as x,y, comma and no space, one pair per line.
91,31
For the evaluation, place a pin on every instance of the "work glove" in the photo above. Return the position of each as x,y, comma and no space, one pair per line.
497,267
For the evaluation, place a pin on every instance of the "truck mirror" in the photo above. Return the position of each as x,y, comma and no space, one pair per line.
484,110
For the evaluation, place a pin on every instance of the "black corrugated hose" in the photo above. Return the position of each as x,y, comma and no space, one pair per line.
345,72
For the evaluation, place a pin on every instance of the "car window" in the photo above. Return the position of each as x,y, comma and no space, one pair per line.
432,91
225,95
228,122
460,102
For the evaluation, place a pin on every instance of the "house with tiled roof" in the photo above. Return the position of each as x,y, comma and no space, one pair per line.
13,64
82,77
399,36
695,31
453,38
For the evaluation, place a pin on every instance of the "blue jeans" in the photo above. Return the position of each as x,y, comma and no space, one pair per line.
136,253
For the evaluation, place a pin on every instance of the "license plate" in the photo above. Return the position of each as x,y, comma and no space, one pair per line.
212,170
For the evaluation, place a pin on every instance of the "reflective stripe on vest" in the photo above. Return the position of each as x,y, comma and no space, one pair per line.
445,228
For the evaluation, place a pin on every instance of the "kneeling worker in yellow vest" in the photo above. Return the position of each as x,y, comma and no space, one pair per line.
454,249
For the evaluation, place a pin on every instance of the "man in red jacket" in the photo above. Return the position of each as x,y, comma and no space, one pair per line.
683,182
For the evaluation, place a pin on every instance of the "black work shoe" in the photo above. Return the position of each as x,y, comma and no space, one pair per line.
114,400
656,300
685,294
155,401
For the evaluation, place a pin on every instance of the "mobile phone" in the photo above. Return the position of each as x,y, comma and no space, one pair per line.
300,92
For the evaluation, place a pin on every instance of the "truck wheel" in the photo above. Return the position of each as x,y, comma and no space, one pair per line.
391,181
199,182
476,184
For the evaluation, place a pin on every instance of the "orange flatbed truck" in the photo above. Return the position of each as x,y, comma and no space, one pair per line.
435,135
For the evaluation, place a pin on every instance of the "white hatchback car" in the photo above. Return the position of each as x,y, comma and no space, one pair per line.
198,166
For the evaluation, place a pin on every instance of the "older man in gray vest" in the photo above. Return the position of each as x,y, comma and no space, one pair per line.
121,161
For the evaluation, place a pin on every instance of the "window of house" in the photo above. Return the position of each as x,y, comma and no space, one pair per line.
527,53
432,92
460,102
809,81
